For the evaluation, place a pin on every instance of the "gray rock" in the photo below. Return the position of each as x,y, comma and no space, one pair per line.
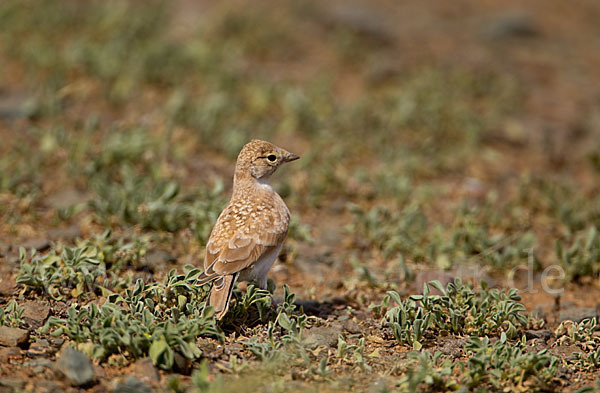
512,24
577,314
144,370
37,244
38,366
69,233
4,249
543,334
452,346
8,352
12,337
16,384
182,364
35,313
361,20
45,386
131,385
66,198
156,259
8,286
40,347
322,336
350,326
15,104
75,366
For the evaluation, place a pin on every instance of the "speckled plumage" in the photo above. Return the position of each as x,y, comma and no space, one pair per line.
249,233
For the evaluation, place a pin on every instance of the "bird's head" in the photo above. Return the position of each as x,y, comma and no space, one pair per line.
261,159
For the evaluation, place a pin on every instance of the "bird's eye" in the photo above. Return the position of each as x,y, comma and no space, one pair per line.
272,157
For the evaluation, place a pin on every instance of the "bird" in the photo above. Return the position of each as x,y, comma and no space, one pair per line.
249,233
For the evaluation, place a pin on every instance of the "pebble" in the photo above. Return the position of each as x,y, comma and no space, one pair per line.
8,352
16,384
363,21
69,233
75,366
144,370
511,24
35,313
12,337
131,385
156,259
543,334
8,286
66,198
577,314
350,326
322,336
39,244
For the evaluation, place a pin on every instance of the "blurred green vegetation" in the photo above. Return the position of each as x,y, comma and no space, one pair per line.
143,122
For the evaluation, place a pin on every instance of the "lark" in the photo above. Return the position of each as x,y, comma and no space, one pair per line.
249,233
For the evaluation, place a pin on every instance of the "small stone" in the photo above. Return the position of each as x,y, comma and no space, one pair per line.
156,259
37,244
131,385
322,336
452,346
543,334
145,371
8,286
9,352
75,366
66,198
16,104
207,346
351,326
4,249
360,20
564,351
38,366
16,384
69,233
512,24
40,347
12,337
45,386
182,364
577,314
35,313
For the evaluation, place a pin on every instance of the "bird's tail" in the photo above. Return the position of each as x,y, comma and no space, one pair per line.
220,294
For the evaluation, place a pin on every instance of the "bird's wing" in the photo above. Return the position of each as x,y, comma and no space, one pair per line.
243,250
235,244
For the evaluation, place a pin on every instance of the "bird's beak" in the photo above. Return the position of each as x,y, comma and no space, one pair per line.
290,156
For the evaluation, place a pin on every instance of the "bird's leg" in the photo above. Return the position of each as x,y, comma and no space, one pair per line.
263,283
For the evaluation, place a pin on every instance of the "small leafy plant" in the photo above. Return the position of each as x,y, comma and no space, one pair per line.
582,335
502,363
159,320
498,366
582,258
458,310
11,315
76,271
